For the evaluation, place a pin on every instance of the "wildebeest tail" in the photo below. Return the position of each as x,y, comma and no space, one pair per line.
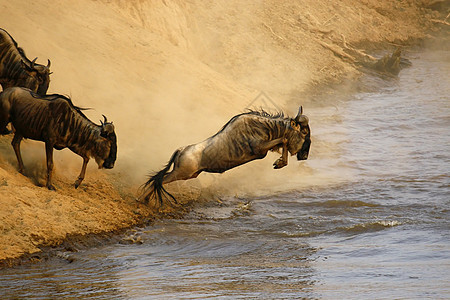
154,185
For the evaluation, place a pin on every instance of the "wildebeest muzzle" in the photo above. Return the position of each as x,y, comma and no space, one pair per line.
110,135
303,121
110,160
108,164
304,151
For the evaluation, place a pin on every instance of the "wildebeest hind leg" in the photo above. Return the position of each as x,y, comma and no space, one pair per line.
179,174
16,146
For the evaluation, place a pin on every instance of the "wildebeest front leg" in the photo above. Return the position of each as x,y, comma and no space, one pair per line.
274,144
16,146
49,154
283,160
83,172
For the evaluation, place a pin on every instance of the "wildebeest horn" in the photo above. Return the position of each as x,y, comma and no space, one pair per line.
32,63
48,64
300,112
300,118
105,119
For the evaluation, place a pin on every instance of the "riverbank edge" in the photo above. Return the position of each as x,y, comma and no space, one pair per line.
73,243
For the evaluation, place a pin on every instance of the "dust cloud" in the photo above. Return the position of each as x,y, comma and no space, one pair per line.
171,74
161,94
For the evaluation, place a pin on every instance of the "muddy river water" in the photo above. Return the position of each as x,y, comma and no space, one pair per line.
383,232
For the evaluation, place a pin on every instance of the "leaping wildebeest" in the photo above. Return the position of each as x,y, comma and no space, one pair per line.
244,138
17,70
54,119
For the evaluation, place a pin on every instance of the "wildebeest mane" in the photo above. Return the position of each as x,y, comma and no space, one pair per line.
19,49
52,97
17,70
260,113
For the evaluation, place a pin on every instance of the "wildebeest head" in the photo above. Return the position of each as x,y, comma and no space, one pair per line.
300,141
40,73
107,132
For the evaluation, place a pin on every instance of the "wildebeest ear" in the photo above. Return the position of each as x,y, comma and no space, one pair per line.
301,118
108,128
295,125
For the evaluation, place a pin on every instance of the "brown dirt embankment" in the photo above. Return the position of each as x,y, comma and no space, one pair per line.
170,73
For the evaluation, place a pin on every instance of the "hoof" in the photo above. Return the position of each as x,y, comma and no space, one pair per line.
5,131
279,163
51,187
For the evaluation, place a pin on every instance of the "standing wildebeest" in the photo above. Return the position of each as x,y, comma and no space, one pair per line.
17,70
54,119
244,138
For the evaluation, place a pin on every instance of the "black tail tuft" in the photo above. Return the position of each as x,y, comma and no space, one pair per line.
153,188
